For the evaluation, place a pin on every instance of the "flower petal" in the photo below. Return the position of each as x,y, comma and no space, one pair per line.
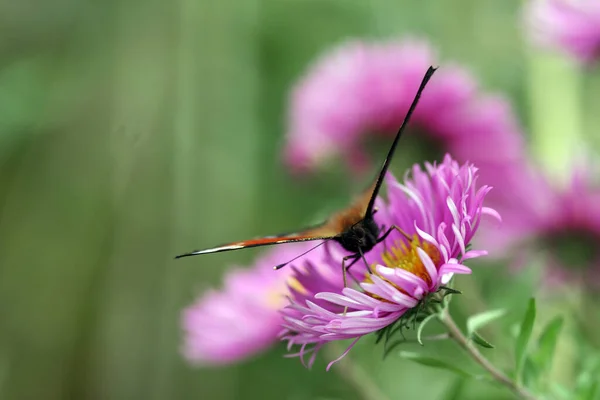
428,264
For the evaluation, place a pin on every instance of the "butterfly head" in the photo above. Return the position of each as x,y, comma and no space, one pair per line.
361,237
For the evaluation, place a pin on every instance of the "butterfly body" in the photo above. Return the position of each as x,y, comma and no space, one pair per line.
354,228
361,237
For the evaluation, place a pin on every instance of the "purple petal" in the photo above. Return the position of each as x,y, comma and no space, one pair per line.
453,210
491,212
409,282
341,300
428,263
427,237
454,268
474,254
343,354
459,239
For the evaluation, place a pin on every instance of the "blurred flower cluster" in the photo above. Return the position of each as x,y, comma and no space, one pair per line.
572,26
357,92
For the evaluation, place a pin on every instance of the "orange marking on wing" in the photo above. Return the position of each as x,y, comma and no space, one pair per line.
265,241
344,219
337,224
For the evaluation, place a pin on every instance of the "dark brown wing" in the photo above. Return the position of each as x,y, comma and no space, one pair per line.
305,236
337,224
340,222
344,219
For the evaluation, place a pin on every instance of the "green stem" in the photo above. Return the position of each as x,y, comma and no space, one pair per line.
354,374
457,335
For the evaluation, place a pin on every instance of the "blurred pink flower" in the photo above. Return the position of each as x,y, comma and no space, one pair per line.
362,88
243,318
439,209
561,223
570,25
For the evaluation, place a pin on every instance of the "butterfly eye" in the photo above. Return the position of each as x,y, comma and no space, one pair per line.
359,232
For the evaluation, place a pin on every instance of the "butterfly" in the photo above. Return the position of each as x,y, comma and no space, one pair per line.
354,228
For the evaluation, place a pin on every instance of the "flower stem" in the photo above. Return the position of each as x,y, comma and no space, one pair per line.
456,334
355,375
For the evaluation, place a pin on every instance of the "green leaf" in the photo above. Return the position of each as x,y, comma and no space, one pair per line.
530,373
477,321
547,344
450,290
434,362
393,329
479,340
380,335
422,325
523,338
454,392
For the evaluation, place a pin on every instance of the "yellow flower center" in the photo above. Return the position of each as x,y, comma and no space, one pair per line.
404,255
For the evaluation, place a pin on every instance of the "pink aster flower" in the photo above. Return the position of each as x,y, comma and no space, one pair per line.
570,25
564,225
243,318
362,88
438,210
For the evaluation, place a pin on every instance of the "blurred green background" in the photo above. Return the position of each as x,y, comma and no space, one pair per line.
131,131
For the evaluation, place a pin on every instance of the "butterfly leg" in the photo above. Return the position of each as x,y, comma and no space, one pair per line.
383,228
354,258
394,228
362,256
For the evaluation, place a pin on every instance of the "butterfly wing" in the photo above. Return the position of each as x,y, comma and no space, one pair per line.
345,219
321,232
340,222
337,224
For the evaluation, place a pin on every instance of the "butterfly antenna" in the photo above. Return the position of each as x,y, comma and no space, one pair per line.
279,266
388,159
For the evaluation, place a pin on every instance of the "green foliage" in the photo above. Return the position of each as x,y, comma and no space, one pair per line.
525,331
456,389
479,340
478,321
543,356
435,363
415,319
587,386
422,326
